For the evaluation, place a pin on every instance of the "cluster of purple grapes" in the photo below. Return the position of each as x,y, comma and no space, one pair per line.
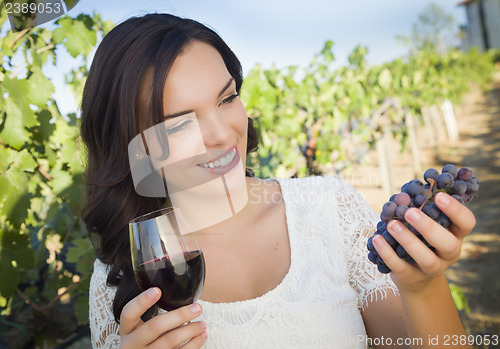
460,184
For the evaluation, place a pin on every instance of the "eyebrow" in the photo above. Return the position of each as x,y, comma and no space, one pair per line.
226,86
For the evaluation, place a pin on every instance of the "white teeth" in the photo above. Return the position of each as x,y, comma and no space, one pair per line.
221,162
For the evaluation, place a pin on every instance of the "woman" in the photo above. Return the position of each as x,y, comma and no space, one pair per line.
290,268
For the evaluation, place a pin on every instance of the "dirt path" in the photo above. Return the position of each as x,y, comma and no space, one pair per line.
478,272
478,147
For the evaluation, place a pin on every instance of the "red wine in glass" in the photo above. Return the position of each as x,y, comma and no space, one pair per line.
180,282
165,254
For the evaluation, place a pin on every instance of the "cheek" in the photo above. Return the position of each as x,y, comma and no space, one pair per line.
241,120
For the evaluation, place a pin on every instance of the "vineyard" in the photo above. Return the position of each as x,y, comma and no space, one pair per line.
320,119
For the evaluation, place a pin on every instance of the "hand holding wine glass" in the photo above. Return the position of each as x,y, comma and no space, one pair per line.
170,269
165,254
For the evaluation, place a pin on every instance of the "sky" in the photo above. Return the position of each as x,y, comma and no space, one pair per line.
280,32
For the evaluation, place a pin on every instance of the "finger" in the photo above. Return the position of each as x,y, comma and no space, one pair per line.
425,258
462,218
196,342
160,324
447,245
391,259
182,334
131,314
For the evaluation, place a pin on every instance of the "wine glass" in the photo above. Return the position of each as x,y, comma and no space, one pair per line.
165,254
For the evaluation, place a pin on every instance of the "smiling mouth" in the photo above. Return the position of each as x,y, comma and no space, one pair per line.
221,161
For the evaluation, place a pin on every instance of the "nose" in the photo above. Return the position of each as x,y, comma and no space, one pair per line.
215,130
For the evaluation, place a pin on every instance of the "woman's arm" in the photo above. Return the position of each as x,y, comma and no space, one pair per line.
421,320
426,308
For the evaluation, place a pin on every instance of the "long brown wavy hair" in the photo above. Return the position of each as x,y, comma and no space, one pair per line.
133,58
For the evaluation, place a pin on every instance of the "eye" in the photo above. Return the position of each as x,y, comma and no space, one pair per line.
180,127
229,99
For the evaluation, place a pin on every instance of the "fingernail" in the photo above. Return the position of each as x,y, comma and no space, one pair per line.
153,293
377,241
443,199
204,335
413,215
195,308
202,324
396,227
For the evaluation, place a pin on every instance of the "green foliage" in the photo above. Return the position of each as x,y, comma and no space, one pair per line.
459,298
43,244
324,120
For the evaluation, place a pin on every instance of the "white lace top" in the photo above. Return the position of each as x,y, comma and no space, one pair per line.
316,305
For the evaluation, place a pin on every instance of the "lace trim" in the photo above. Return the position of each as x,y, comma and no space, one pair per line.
103,328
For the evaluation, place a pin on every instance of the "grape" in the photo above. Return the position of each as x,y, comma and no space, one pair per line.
401,252
370,246
419,200
472,185
431,210
389,209
372,256
400,211
402,199
467,197
459,187
458,198
444,220
464,174
431,173
445,181
404,187
384,269
451,169
388,237
386,218
460,184
415,187
381,226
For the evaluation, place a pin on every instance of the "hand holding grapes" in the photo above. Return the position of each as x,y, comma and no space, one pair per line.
422,228
432,258
162,331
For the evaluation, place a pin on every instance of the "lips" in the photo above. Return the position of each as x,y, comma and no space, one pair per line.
222,163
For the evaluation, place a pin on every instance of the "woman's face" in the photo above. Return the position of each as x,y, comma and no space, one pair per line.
205,121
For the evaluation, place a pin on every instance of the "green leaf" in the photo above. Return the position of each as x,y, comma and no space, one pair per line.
77,38
10,278
82,309
45,129
25,161
60,180
15,202
385,78
14,133
41,89
7,156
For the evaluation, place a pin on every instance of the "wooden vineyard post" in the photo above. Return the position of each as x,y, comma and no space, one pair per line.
450,120
414,147
384,163
438,125
430,131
